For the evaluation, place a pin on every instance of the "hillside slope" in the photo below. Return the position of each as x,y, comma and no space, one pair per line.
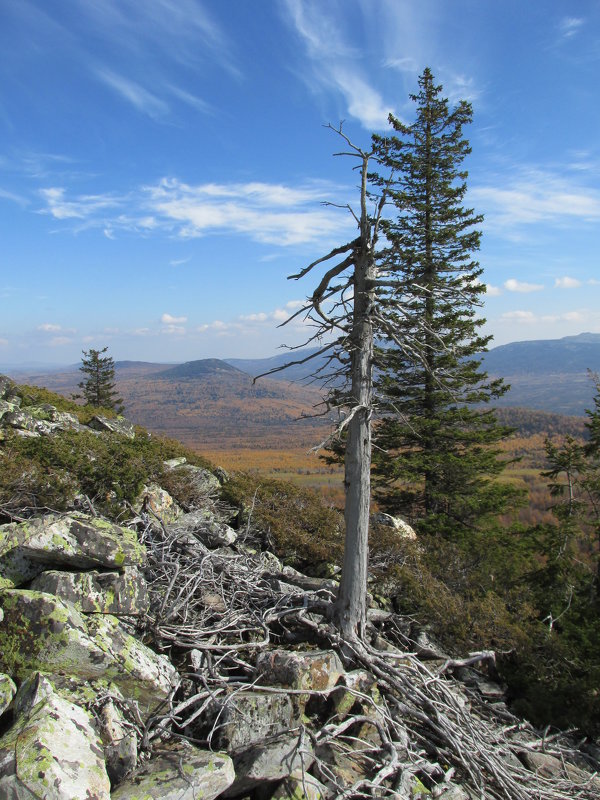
209,404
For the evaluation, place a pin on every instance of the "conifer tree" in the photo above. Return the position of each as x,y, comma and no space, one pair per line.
98,388
434,457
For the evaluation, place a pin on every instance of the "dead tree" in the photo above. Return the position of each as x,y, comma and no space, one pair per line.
343,308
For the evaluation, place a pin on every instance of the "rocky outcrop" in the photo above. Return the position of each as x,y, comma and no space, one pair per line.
179,771
77,541
53,749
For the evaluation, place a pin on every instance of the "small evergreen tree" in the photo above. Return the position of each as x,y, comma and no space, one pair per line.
98,388
435,458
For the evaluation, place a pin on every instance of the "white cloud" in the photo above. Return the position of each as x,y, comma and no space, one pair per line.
259,317
15,198
4,342
268,213
177,262
519,316
492,291
364,103
534,196
81,207
566,283
59,341
573,316
168,319
49,327
513,285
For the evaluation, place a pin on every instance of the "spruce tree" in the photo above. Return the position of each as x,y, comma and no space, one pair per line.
98,388
435,459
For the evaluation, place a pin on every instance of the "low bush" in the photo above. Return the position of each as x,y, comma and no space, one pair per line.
295,523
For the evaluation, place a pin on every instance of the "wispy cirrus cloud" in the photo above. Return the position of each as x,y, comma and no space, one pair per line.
332,64
79,207
139,97
568,27
13,197
534,196
268,213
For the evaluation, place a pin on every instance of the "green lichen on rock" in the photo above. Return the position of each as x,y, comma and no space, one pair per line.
74,541
179,771
43,633
95,592
7,691
52,750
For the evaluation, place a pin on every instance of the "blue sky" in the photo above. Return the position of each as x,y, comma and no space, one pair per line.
163,164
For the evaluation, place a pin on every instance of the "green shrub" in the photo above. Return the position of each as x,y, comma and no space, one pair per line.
48,471
27,487
296,523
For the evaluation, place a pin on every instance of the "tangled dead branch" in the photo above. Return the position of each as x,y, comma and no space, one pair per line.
215,610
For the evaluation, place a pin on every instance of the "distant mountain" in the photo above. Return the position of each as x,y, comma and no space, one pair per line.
298,372
549,375
211,402
204,368
572,354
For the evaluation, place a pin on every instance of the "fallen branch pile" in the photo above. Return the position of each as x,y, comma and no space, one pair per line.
215,610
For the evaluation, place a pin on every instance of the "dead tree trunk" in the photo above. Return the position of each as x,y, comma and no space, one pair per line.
350,609
343,306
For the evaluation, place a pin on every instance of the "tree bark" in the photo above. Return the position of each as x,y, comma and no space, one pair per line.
350,610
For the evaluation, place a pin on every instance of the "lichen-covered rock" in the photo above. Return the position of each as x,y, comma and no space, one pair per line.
119,593
58,420
399,526
173,463
206,528
118,425
342,768
300,786
157,500
77,541
7,691
22,420
120,743
7,386
248,718
7,408
179,771
42,633
356,687
203,481
269,761
53,750
314,670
